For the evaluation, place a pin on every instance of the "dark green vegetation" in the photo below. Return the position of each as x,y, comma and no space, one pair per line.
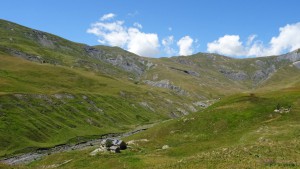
53,91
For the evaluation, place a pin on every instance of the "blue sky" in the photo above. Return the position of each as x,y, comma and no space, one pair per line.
237,28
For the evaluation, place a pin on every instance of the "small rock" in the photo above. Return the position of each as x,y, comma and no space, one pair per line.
135,142
165,147
185,120
96,151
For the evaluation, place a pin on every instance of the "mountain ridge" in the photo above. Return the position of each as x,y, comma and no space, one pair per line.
61,89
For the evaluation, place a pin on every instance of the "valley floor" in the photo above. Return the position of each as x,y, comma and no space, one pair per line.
258,130
225,112
40,153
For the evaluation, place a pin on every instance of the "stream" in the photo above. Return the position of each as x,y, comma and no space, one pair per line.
38,154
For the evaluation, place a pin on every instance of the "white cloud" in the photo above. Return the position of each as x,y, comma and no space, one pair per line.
255,50
107,16
287,40
226,45
185,46
144,44
116,34
167,43
112,33
251,39
138,25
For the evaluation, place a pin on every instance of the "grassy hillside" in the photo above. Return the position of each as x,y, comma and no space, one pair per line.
201,75
286,77
42,105
195,74
212,76
54,91
42,47
241,131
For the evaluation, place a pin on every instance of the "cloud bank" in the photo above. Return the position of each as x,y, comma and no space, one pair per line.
287,40
115,33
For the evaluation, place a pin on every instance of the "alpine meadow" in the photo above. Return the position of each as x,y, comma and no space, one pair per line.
73,105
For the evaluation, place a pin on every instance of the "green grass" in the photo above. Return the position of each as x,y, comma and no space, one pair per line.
52,49
73,96
18,75
44,105
32,122
240,131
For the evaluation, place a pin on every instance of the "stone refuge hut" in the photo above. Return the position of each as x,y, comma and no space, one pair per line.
114,145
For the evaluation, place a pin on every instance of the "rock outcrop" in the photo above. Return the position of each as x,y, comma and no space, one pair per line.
166,84
263,74
292,56
127,62
297,64
189,72
236,75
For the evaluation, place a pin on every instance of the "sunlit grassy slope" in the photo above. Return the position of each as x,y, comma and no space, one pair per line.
54,91
43,105
241,131
213,75
286,77
19,75
43,47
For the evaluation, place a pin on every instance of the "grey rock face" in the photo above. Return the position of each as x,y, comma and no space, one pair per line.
44,41
234,75
63,96
189,72
191,108
166,84
200,104
182,111
260,63
96,53
146,105
41,38
26,56
292,56
297,64
30,57
260,75
127,63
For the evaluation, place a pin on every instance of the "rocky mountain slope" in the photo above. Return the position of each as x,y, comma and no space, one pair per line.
43,47
69,92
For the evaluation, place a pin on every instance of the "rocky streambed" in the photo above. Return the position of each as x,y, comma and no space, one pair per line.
36,155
